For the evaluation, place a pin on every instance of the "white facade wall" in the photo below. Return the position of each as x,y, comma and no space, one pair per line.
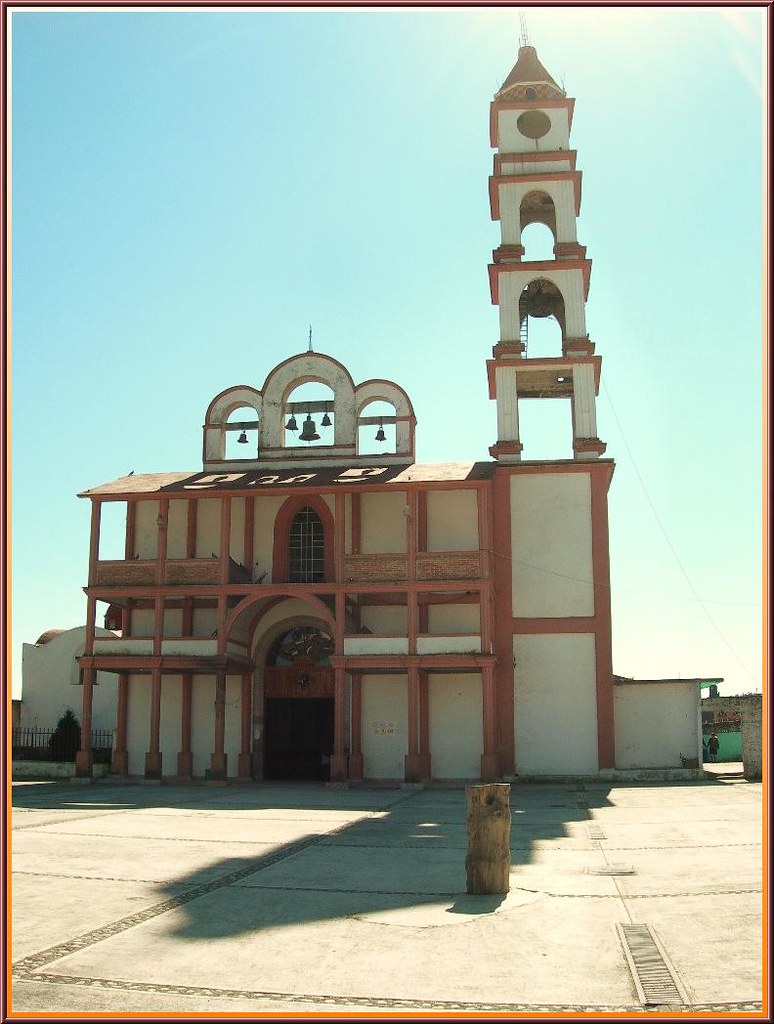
376,645
388,620
138,721
555,704
384,726
173,622
568,281
170,731
207,527
551,544
511,140
266,510
382,522
655,723
146,530
177,528
452,520
456,725
51,683
454,618
205,621
142,622
236,544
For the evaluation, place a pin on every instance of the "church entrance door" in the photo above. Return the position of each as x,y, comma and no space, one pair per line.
298,722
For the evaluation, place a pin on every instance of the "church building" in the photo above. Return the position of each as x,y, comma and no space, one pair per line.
301,608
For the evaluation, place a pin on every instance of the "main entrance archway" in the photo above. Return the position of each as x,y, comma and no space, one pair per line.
298,706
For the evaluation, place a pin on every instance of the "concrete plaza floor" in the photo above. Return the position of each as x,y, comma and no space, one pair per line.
305,898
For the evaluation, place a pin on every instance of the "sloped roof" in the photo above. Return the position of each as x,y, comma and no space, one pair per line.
528,70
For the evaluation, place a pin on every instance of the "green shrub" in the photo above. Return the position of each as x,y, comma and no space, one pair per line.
66,738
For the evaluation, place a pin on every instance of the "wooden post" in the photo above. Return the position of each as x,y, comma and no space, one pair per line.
488,861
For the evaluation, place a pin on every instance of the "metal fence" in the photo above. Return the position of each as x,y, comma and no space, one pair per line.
30,743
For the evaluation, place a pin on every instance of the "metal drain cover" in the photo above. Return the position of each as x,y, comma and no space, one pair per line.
653,976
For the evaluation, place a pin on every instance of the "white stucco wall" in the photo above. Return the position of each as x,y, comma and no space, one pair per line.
146,530
237,535
207,527
170,731
454,618
555,704
456,725
384,726
51,683
655,723
204,622
452,520
173,622
177,528
376,645
389,619
142,622
382,522
138,722
263,534
551,544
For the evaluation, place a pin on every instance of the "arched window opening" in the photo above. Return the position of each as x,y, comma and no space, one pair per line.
376,432
306,548
538,242
538,208
309,416
541,319
241,434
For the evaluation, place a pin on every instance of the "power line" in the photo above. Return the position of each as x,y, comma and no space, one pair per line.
669,542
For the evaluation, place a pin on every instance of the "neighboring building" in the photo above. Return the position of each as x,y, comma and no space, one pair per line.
737,721
316,611
51,681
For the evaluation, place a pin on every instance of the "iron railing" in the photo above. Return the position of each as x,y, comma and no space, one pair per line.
30,743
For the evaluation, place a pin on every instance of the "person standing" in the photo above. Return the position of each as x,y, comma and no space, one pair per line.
713,746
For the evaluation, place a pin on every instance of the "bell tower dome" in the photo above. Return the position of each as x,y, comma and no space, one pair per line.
535,180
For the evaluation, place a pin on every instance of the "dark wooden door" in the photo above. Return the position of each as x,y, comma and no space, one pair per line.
298,738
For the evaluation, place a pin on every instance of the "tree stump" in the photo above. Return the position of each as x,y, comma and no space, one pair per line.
488,861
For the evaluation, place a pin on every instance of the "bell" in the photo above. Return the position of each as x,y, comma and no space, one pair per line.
291,423
309,430
380,434
242,439
325,421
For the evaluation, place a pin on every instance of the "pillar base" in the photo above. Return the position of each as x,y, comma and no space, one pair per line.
153,764
185,764
245,767
84,763
356,767
218,766
416,767
490,768
339,767
119,764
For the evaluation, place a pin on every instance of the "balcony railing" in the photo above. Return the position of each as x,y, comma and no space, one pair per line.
430,565
177,572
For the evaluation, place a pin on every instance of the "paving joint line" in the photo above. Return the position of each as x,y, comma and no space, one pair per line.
366,1002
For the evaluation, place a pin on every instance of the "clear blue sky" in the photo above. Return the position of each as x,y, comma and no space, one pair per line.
192,189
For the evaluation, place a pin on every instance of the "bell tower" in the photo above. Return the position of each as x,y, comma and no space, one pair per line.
535,180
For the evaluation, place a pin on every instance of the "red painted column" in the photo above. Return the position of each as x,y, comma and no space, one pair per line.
416,766
185,754
424,723
355,524
489,760
219,758
356,728
153,755
502,614
120,761
245,767
161,547
83,758
339,757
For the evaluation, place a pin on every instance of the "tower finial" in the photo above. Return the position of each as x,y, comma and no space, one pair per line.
524,37
310,349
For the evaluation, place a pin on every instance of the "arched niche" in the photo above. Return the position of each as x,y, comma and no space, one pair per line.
219,420
537,207
542,300
385,391
285,378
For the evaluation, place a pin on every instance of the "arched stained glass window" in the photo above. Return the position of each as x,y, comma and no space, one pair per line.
306,540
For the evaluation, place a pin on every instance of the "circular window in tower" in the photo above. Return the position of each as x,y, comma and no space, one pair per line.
530,92
534,124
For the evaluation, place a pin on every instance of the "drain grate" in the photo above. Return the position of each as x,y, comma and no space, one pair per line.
595,831
653,977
